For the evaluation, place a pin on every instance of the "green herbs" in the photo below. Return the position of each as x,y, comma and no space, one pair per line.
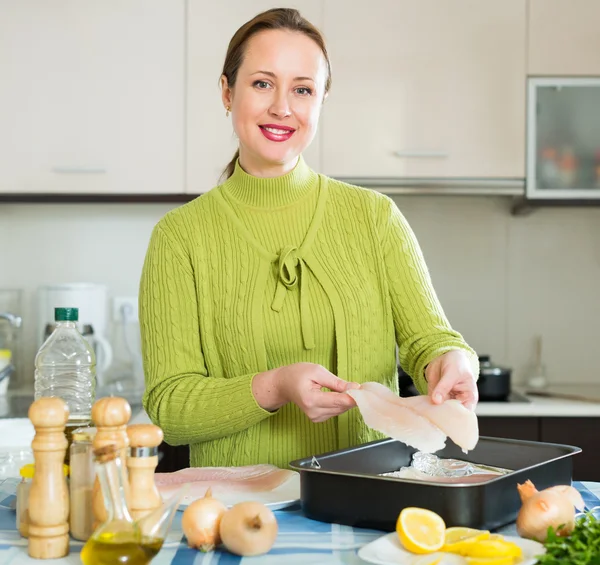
582,547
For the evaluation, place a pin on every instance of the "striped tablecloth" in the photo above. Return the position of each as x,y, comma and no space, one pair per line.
300,541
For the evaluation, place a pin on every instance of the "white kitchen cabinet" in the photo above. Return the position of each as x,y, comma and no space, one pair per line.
211,142
425,89
92,96
564,37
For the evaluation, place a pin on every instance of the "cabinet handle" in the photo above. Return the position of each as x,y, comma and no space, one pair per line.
79,170
421,154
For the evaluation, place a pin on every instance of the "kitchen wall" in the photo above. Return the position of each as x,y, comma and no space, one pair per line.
501,279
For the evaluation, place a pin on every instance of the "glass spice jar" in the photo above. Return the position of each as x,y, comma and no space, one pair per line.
81,483
22,517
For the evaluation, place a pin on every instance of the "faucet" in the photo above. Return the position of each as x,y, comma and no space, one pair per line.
13,320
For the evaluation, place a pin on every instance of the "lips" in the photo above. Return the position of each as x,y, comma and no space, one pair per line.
277,133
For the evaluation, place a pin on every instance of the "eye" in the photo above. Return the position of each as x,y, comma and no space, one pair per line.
261,84
304,91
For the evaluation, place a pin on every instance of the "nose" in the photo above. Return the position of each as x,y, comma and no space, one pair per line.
280,108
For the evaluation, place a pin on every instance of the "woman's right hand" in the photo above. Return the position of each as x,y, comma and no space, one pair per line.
301,383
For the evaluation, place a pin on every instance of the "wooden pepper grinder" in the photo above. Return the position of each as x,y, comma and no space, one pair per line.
110,416
49,496
142,460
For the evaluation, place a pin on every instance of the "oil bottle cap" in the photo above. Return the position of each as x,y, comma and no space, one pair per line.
66,314
28,471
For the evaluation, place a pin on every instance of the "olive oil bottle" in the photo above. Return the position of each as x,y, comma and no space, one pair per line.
120,539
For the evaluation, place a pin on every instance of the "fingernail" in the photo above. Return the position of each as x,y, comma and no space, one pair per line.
437,397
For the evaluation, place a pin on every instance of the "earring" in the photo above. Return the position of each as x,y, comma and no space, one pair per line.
228,109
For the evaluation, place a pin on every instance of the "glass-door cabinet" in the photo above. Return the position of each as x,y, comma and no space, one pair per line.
563,138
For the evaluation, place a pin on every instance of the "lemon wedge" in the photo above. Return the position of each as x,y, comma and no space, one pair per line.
420,530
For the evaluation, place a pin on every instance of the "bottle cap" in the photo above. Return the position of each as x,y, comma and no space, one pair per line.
5,354
28,471
66,314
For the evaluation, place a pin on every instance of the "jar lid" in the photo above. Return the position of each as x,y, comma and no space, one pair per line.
28,471
84,434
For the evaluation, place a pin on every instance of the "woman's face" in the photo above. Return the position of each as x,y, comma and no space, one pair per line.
276,101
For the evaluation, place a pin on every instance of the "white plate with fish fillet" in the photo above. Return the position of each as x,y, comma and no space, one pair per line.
274,487
387,550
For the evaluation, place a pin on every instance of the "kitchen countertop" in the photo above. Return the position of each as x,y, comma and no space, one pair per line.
547,406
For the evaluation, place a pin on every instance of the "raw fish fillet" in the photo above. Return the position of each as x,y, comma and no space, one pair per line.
457,422
223,481
397,421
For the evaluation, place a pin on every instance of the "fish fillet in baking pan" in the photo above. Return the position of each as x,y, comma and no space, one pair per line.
397,421
261,482
451,417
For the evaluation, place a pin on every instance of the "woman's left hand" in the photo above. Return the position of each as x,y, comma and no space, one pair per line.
450,376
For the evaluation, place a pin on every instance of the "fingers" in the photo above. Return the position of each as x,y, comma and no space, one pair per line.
441,392
330,381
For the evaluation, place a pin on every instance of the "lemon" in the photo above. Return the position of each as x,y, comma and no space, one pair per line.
491,549
420,530
490,560
457,537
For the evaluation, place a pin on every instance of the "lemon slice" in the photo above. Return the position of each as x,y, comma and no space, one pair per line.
457,537
490,560
420,530
491,549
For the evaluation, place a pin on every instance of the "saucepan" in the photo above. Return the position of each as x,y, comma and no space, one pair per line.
494,381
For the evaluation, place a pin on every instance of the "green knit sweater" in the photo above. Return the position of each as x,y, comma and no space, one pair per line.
260,273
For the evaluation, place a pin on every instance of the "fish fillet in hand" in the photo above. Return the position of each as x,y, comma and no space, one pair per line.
457,422
398,422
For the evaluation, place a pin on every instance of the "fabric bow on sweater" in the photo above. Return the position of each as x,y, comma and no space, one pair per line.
292,268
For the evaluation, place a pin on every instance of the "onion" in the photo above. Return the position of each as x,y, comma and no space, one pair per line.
552,507
248,528
201,520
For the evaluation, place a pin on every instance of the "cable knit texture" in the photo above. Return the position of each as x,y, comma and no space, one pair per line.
259,273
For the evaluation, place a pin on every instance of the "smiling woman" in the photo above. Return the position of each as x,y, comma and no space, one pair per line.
262,298
275,78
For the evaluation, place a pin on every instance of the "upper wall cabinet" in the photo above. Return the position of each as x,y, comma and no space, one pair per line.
564,37
92,96
211,141
425,89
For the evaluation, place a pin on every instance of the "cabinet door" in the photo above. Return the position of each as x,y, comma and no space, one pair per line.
92,96
211,141
580,432
564,37
425,89
524,428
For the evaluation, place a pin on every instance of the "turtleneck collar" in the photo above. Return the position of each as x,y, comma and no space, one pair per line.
272,192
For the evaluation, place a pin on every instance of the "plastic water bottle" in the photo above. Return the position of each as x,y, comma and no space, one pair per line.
65,366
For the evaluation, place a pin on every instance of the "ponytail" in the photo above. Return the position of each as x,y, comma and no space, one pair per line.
228,171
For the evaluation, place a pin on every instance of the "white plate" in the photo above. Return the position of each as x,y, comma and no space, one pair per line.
387,550
286,494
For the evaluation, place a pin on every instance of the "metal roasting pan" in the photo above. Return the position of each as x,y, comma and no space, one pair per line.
343,486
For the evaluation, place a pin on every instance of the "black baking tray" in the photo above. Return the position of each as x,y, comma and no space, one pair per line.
343,486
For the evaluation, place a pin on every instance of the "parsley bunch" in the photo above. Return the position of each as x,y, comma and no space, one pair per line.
582,547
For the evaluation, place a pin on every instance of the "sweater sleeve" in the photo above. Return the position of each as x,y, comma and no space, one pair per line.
182,397
422,330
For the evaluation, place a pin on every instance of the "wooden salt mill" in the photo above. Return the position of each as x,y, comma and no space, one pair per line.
142,460
110,416
49,496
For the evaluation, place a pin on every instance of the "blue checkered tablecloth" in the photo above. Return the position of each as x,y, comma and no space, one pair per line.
299,541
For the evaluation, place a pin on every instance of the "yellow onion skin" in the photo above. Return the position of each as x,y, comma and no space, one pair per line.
248,529
201,521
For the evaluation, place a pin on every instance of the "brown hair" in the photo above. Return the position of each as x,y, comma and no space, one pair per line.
276,18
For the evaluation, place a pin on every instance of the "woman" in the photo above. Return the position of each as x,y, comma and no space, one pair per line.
264,299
